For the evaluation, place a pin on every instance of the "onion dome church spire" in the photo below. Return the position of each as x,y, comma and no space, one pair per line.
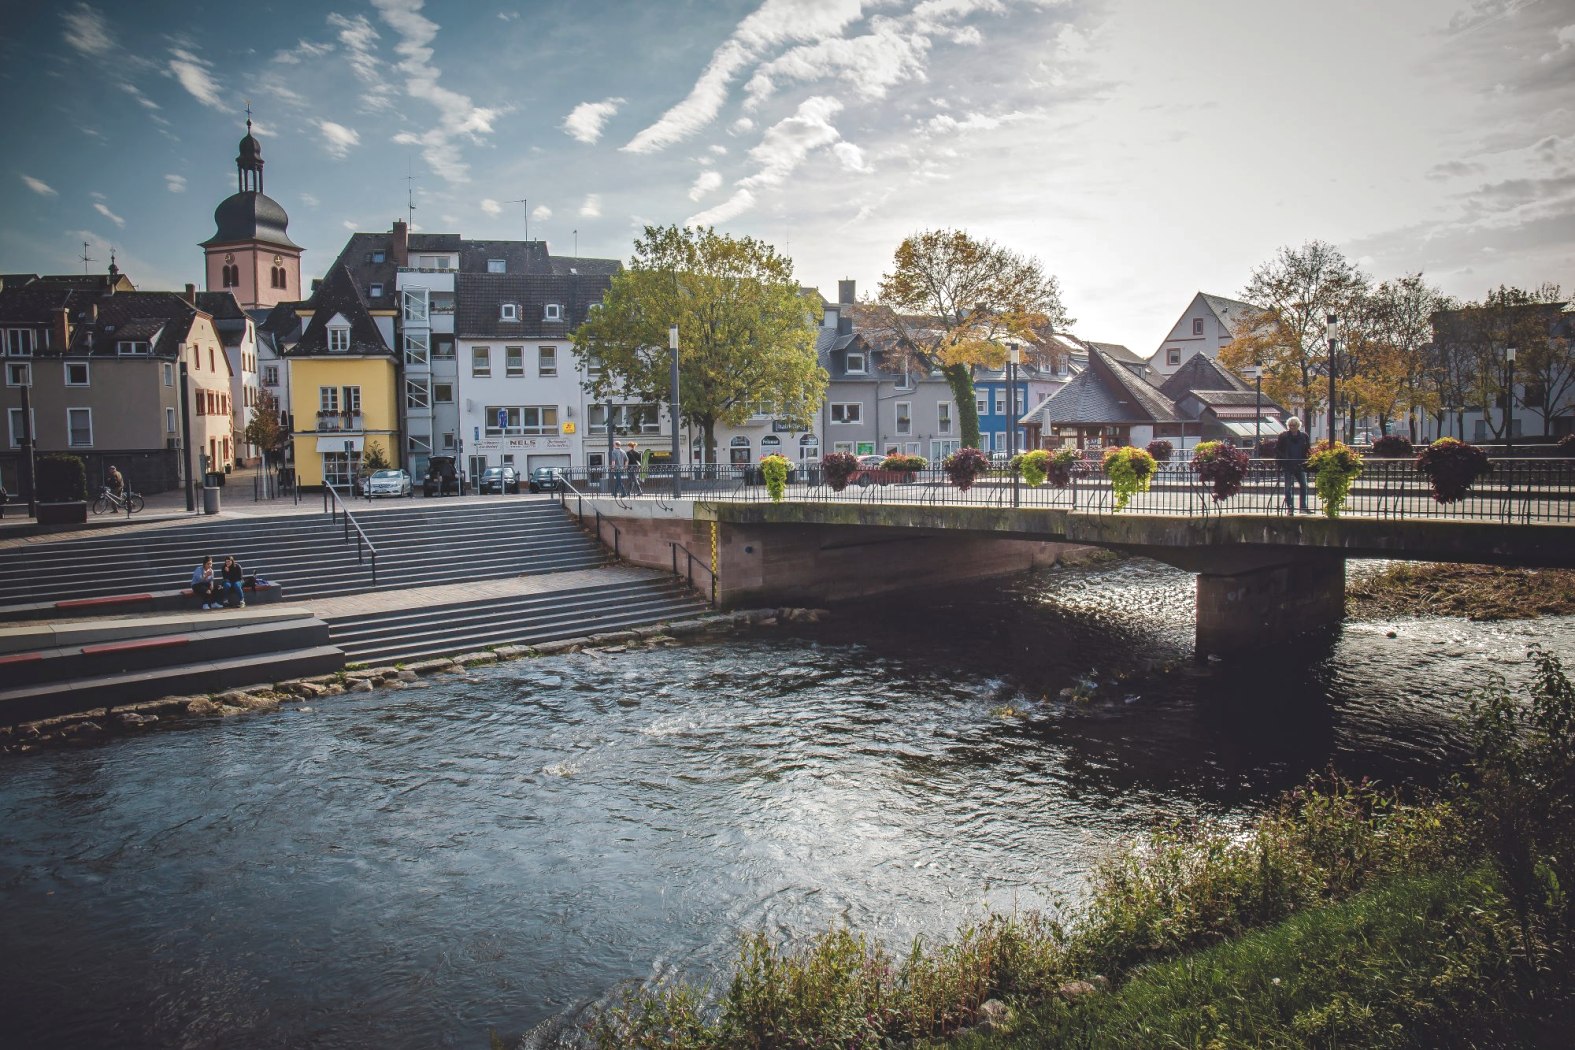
250,252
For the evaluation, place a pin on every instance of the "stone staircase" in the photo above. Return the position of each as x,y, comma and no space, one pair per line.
415,634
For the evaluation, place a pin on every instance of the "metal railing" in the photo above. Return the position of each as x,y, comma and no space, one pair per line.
1516,491
565,490
335,507
689,572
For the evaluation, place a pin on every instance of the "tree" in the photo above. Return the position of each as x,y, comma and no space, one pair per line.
745,334
374,458
1386,342
953,302
1469,345
1296,290
264,430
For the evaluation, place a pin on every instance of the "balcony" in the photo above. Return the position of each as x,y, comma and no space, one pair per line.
329,422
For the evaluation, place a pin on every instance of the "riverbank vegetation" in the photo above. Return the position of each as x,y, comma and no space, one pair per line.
1346,916
1477,592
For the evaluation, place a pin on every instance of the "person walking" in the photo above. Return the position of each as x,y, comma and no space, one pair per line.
1291,452
616,461
631,459
204,586
114,481
231,587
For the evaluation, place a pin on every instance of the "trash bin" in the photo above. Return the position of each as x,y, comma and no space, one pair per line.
214,478
210,499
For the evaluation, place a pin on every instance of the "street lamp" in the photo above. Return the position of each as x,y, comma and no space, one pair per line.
1333,327
1509,405
672,344
1012,351
1255,373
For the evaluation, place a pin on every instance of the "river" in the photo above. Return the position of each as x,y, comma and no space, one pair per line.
491,852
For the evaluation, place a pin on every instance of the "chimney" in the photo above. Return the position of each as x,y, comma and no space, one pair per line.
401,243
845,291
190,295
60,330
844,324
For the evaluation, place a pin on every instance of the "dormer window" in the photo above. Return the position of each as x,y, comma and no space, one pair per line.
497,266
509,312
19,342
554,312
375,291
339,339
132,348
376,256
856,364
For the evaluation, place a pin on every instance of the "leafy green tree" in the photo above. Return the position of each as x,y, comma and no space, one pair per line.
1469,346
264,430
953,302
746,335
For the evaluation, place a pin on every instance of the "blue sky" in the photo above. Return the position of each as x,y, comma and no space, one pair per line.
1143,149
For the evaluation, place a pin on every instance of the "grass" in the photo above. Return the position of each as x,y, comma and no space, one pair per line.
1477,592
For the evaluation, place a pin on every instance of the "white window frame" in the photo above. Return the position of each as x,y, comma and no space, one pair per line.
71,440
943,417
87,376
133,348
437,388
338,339
862,367
13,427
413,304
20,342
545,420
982,405
169,374
328,399
270,375
514,362
497,266
418,349
375,290
508,312
169,421
904,420
1000,403
904,380
483,356
546,361
22,368
842,446
853,418
552,312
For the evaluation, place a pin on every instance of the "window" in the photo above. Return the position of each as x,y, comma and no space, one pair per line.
941,448
16,427
809,447
131,348
554,312
982,406
375,291
418,394
593,365
169,374
514,361
1000,403
905,417
847,412
76,373
481,361
341,468
904,380
327,399
448,441
277,279
169,421
443,393
230,276
738,452
270,375
842,446
377,255
417,347
19,342
18,374
413,302
521,419
497,266
509,312
855,363
79,427
339,339
547,361
1173,355
1197,326
943,415
211,366
443,346
627,419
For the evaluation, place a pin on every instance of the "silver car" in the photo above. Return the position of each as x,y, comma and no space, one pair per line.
389,483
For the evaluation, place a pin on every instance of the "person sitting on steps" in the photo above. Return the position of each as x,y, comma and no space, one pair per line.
204,586
234,597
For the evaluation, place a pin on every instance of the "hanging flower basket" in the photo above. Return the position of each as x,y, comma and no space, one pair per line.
904,463
1222,466
1334,468
1392,446
1160,449
1451,467
774,468
1034,466
1064,463
838,467
1130,471
965,466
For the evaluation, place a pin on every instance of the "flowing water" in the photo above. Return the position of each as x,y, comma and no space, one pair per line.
493,851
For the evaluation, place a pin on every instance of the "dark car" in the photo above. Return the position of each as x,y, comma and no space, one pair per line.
441,478
502,480
546,479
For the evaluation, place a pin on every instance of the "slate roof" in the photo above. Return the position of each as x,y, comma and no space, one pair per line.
163,318
228,317
338,295
519,257
1119,352
481,295
356,259
1143,394
1085,399
581,265
1201,372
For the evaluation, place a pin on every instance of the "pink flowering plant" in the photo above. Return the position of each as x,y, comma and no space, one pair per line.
838,468
1222,466
1451,467
965,466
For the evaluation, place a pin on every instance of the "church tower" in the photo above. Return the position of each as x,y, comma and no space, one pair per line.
250,253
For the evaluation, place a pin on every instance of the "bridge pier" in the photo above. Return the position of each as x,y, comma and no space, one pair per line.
1255,609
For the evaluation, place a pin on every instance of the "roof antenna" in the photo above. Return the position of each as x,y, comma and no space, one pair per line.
86,258
410,194
576,244
525,208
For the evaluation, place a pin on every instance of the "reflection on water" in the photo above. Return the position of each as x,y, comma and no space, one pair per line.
416,867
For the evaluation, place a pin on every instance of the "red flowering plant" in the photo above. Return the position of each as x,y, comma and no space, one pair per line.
965,466
1222,466
1391,446
1064,462
1451,467
838,468
1160,449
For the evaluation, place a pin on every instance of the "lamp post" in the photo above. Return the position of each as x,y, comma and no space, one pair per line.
1333,327
1255,373
1012,351
1509,405
672,344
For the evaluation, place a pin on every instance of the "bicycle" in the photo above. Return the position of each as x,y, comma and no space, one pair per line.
107,499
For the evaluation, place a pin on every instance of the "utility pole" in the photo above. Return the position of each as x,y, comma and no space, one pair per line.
524,210
85,258
410,195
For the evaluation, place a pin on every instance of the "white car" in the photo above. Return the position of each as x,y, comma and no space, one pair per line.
388,483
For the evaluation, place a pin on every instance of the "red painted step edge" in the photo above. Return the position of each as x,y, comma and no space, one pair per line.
113,599
139,643
20,658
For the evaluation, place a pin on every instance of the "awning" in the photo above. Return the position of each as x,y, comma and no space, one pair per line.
337,444
1267,427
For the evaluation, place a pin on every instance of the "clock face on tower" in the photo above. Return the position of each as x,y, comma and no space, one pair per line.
278,260
230,257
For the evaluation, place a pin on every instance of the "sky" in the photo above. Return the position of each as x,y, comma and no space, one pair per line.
1142,150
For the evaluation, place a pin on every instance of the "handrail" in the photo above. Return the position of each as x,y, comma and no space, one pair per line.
334,505
689,554
617,534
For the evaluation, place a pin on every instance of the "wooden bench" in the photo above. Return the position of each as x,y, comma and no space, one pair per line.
183,600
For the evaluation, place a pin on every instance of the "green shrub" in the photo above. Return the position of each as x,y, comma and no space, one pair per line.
1035,466
775,470
1334,466
904,463
62,478
1130,471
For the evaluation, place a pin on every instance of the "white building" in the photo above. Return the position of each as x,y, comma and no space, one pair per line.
1208,323
238,333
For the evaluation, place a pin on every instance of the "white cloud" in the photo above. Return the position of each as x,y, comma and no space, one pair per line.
508,16
851,156
586,120
491,207
968,36
708,181
541,213
775,22
192,73
592,208
87,32
303,49
871,64
309,199
175,183
785,146
103,210
347,224
736,205
39,186
136,93
741,125
338,139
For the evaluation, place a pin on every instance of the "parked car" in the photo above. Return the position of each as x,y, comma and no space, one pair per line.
546,479
502,480
442,479
389,483
870,473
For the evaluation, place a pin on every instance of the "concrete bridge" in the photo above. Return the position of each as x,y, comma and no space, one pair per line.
1261,574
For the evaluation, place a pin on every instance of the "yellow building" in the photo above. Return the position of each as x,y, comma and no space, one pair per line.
343,386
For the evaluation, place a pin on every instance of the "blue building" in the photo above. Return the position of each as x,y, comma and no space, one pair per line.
990,395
